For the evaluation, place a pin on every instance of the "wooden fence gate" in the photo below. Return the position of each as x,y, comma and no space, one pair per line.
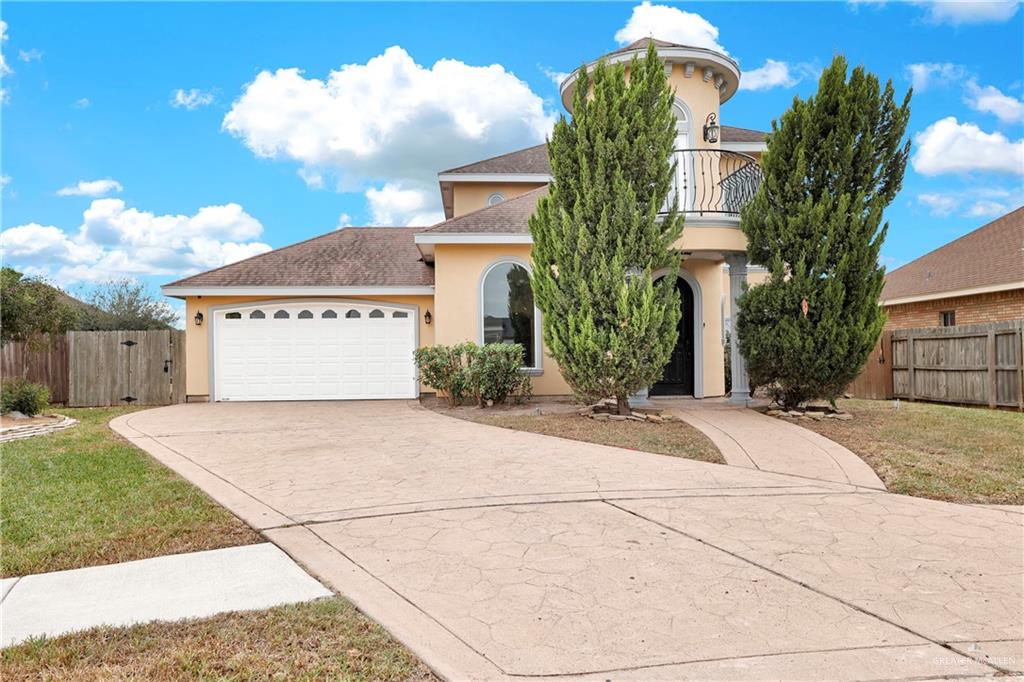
119,368
875,380
977,364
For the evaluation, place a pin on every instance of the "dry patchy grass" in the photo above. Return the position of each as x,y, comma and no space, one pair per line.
84,496
325,639
670,438
957,454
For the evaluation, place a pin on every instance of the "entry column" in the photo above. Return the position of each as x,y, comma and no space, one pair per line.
737,279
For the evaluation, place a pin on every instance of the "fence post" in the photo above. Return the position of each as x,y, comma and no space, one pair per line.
910,366
1019,352
990,354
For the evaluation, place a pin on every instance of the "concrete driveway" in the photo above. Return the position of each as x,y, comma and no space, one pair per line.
494,554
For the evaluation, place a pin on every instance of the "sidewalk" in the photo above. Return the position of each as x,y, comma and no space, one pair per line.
173,587
750,439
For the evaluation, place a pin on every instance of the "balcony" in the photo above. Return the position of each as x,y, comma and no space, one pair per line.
714,182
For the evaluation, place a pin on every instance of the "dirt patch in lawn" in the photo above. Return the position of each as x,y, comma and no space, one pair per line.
942,452
84,497
325,639
559,417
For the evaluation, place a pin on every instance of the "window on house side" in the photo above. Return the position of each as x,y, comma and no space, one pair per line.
508,308
948,318
495,198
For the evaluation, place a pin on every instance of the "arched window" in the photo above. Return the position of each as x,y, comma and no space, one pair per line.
233,316
305,315
281,315
495,198
508,313
257,315
352,314
376,313
329,315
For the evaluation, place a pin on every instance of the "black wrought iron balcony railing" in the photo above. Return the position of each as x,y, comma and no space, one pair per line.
713,181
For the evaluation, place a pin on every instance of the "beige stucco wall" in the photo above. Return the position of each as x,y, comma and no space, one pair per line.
703,237
472,196
197,346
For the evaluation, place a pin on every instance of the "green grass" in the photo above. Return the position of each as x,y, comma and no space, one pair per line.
943,452
83,497
325,639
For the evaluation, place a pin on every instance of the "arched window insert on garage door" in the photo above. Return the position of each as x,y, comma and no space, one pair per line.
508,314
233,316
257,315
329,315
305,315
281,315
352,314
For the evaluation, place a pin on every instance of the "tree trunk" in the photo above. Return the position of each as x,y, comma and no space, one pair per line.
622,405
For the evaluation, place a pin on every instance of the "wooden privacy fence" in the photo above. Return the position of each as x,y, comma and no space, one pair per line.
875,381
979,364
98,369
43,363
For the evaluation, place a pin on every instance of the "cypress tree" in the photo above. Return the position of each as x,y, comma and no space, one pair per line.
598,238
834,163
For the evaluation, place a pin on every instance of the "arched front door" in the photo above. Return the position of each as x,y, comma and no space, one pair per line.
677,377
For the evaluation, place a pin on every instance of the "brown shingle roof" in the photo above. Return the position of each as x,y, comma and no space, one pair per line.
535,159
352,256
989,256
642,45
508,217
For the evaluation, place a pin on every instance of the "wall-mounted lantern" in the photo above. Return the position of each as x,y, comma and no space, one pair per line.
711,128
427,317
199,319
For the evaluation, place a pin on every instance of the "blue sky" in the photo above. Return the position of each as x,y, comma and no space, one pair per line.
155,140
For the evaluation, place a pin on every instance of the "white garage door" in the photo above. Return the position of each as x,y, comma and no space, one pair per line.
314,351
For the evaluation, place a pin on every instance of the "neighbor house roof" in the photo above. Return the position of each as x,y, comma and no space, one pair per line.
508,217
990,257
349,257
534,160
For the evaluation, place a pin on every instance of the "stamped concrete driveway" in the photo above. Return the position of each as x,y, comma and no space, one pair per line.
497,554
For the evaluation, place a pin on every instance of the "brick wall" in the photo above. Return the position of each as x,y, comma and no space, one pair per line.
994,307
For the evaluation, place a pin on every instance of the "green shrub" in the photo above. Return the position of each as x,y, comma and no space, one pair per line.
446,368
466,371
24,396
496,373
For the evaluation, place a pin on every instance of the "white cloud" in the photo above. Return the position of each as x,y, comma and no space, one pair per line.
344,220
671,24
396,205
986,208
925,74
4,180
312,178
389,119
939,205
990,99
91,188
5,69
962,12
191,99
30,55
776,74
948,146
555,77
115,241
82,103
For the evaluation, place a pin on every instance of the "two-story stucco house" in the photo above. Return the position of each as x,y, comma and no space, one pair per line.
338,316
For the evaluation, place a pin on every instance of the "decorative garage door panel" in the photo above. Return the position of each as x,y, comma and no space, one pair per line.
314,351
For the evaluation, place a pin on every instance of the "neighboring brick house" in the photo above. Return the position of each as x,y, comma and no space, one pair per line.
977,278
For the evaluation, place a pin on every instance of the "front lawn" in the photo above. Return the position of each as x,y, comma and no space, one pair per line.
84,496
324,639
958,454
674,438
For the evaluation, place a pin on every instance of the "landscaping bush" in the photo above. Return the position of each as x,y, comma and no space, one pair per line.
24,396
490,373
446,368
496,373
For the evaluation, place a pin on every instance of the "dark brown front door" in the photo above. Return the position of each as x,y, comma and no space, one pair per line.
677,377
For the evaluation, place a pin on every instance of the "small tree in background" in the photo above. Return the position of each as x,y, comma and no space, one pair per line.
834,162
126,305
597,237
30,308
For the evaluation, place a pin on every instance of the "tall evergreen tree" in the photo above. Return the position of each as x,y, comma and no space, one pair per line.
833,164
597,236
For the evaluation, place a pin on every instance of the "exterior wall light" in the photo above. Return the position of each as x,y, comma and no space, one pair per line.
199,319
711,128
427,317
